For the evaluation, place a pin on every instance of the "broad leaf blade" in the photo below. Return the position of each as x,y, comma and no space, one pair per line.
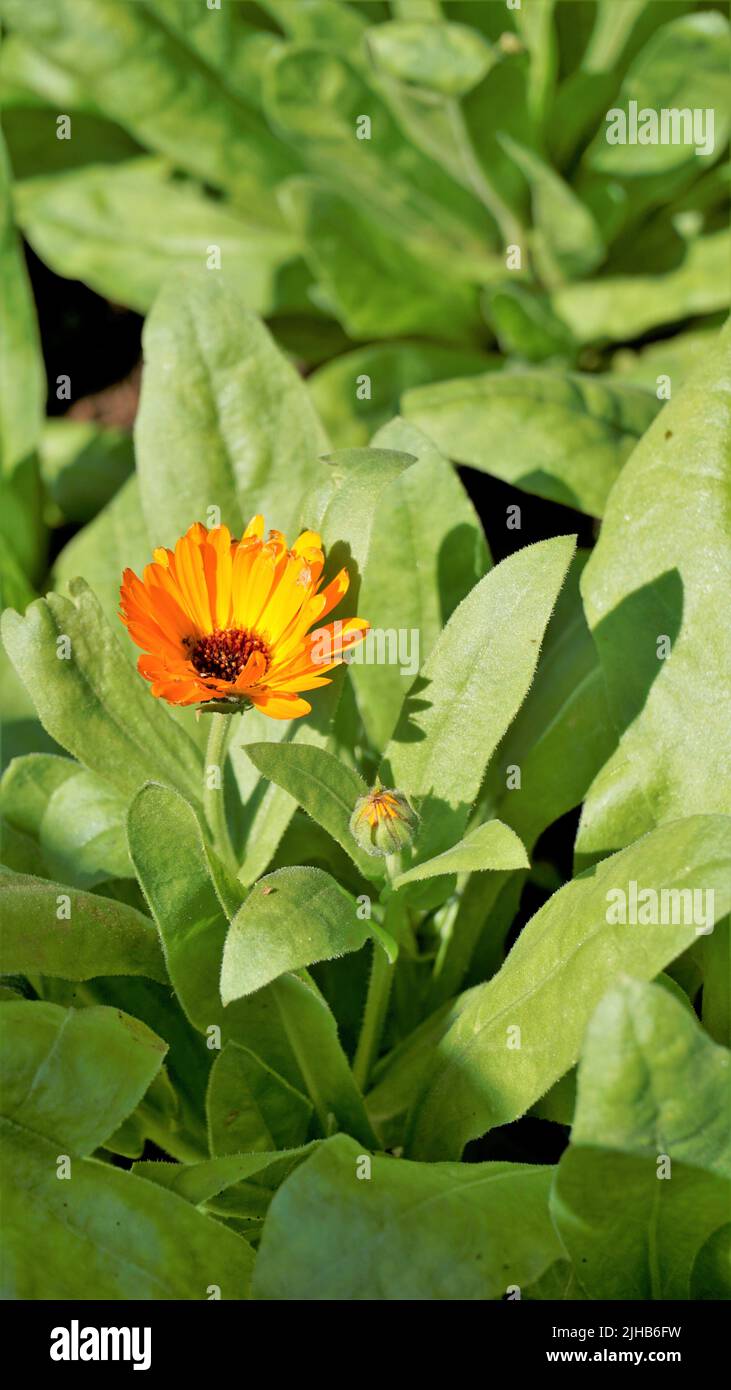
224,419
91,700
652,1082
665,1222
564,960
290,919
323,786
492,845
250,1107
52,929
488,1228
470,688
564,437
661,571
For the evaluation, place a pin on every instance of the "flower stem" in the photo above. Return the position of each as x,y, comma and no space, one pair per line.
214,799
379,990
379,985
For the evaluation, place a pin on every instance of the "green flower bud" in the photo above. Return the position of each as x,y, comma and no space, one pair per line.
383,822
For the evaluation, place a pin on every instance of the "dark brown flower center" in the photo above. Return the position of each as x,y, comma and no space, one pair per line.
225,654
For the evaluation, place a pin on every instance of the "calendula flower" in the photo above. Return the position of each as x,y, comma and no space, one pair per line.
231,620
383,822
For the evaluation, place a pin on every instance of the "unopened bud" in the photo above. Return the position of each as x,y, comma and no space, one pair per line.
383,822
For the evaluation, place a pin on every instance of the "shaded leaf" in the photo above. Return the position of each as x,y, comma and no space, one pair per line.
652,1082
53,929
563,961
488,1228
665,1222
72,1077
563,437
250,1107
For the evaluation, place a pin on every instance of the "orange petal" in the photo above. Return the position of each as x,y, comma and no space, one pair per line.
218,567
309,540
334,591
191,581
253,671
278,706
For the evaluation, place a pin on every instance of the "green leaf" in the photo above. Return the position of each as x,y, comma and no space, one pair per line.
562,734
567,242
525,325
661,570
490,846
325,22
317,99
203,1182
53,929
83,465
91,699
617,308
445,58
488,1228
650,1253
36,151
564,960
564,437
205,126
115,540
560,738
404,1071
288,1025
346,505
224,419
344,511
471,687
22,379
250,1107
674,357
652,1082
29,79
123,229
407,614
711,1274
172,1112
290,919
369,275
130,1238
716,1003
167,851
22,391
323,786
72,1077
20,852
27,786
82,832
338,390
683,65
535,24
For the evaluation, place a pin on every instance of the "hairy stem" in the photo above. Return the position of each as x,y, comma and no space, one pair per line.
214,801
379,991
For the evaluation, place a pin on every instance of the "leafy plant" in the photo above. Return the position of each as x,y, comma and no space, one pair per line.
279,994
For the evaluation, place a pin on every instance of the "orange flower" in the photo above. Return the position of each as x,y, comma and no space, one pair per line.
226,620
